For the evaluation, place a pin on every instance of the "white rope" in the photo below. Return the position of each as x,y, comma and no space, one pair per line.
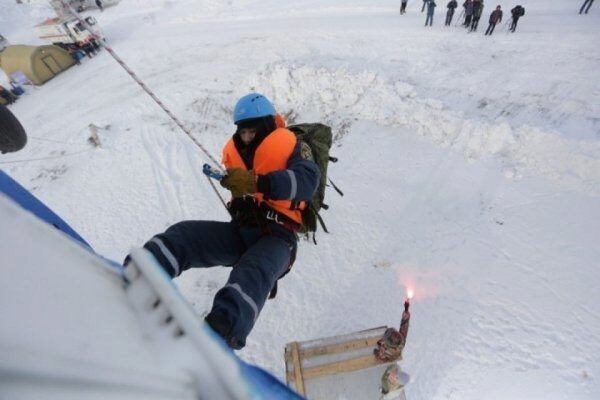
46,158
57,141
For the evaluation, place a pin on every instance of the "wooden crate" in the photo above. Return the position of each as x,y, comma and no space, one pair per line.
338,367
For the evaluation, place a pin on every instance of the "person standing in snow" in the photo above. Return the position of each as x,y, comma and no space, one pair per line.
516,13
477,11
589,4
271,176
75,53
95,45
430,10
495,18
450,13
468,6
403,7
99,4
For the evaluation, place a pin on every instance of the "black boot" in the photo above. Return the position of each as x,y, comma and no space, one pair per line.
222,327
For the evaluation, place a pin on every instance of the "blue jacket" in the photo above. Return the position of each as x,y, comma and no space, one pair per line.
431,7
298,182
469,8
496,16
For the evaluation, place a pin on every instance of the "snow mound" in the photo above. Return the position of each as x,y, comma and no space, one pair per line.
342,96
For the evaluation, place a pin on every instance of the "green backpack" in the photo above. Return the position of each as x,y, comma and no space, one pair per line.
319,138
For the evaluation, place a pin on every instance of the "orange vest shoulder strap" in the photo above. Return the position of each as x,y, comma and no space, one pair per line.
231,157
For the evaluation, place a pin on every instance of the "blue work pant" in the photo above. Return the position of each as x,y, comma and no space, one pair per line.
429,19
258,259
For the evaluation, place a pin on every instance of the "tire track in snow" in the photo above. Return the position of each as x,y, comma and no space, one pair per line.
168,176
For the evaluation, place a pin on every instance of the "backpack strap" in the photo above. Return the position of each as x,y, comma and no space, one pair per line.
335,187
322,225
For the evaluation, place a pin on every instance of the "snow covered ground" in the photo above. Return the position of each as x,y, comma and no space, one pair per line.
470,166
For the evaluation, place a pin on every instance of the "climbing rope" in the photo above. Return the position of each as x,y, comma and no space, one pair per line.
146,89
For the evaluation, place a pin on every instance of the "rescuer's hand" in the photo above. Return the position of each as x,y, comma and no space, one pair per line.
239,181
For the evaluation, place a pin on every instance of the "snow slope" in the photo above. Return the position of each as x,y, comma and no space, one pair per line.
470,166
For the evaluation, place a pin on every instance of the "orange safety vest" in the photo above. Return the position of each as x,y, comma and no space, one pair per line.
271,155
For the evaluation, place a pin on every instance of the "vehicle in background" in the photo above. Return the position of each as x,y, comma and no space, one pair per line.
66,31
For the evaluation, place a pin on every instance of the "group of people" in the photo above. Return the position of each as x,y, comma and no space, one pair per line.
473,9
90,47
472,12
81,49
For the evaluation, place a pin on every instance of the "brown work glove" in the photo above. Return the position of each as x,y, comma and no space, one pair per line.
239,181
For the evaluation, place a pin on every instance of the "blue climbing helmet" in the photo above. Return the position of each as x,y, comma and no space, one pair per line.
253,105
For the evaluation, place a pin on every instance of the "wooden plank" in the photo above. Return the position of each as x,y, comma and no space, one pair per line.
339,347
289,365
298,380
351,365
287,354
342,338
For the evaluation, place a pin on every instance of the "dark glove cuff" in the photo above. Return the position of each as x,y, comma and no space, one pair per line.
263,184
